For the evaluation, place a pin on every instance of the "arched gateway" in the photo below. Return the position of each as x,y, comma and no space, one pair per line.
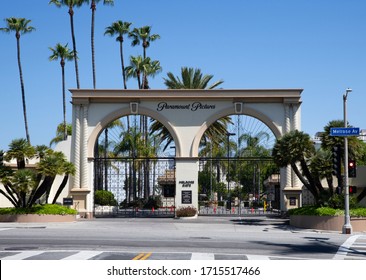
186,114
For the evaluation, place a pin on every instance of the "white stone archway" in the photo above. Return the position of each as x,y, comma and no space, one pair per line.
186,114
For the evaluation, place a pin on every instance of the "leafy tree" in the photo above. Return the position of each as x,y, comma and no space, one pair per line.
20,26
190,79
60,133
119,28
103,197
296,148
64,54
143,36
138,66
71,4
20,150
25,186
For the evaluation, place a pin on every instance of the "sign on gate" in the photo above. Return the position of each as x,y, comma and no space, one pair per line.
68,201
186,197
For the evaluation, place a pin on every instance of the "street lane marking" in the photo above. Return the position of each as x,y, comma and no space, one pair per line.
257,257
142,256
202,256
345,248
146,256
138,256
83,255
2,229
23,255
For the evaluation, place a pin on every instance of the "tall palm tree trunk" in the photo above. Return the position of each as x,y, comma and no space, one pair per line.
71,13
22,89
64,97
123,64
93,8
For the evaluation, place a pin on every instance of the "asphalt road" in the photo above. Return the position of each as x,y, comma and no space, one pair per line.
253,237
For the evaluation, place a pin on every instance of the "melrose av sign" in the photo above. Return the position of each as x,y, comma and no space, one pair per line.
344,131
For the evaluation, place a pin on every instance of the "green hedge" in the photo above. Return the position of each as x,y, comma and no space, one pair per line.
47,209
326,211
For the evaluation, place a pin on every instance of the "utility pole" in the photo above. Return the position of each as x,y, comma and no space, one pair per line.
347,227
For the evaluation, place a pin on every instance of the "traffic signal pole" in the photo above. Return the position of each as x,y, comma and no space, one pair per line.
347,227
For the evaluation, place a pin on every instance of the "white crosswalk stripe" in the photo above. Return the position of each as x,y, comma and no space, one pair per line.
2,229
83,255
344,249
202,256
23,255
257,257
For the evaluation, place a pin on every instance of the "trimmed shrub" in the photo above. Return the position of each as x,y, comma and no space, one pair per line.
186,211
102,197
326,211
47,209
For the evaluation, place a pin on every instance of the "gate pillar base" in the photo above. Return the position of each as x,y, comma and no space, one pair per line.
80,198
186,183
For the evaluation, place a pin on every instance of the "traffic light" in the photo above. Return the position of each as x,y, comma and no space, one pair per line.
352,168
336,161
338,190
352,189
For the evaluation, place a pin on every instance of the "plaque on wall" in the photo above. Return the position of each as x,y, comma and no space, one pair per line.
292,201
186,197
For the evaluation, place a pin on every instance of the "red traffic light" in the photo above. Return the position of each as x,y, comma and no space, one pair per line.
352,168
352,189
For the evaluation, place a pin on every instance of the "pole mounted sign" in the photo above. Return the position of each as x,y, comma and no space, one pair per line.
344,131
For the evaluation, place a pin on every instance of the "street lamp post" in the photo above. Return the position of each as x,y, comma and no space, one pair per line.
228,205
347,227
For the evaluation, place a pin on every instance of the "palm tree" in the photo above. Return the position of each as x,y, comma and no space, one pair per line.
293,148
63,53
93,7
60,133
21,150
253,147
142,35
119,28
71,4
138,65
20,26
193,79
190,79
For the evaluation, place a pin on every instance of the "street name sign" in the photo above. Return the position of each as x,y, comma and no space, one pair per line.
344,131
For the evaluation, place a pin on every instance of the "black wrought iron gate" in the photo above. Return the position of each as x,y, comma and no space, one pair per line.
142,187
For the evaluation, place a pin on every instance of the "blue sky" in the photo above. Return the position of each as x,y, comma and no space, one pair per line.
319,46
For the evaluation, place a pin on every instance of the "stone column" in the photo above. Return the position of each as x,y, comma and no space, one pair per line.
84,151
76,159
287,130
295,126
80,190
